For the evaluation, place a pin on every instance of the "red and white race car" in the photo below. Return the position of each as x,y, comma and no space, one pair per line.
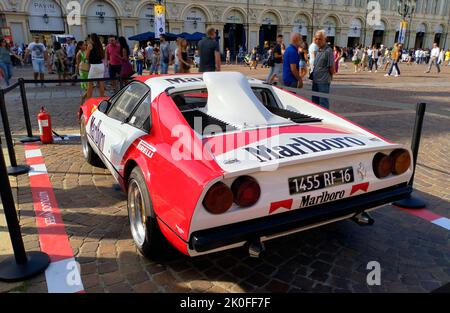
215,161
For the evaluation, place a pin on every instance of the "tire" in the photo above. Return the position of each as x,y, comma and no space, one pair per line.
88,153
143,224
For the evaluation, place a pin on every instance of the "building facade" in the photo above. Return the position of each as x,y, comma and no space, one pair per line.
343,20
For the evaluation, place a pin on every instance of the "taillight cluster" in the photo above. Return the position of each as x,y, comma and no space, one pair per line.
245,192
396,163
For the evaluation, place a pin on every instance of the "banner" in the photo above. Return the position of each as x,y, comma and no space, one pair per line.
160,20
402,32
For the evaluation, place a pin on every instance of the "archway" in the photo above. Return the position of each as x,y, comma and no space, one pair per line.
378,34
420,36
195,20
301,26
45,16
330,26
439,30
102,19
146,19
354,33
268,31
234,32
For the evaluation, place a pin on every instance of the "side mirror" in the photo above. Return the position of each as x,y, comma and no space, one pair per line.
104,106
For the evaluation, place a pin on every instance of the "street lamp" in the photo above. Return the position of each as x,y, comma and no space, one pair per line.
406,7
46,18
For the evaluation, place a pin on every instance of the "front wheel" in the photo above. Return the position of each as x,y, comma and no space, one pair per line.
143,224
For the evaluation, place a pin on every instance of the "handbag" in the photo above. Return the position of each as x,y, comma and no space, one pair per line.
85,67
127,69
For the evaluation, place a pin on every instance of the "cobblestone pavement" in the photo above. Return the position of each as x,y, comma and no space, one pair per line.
414,254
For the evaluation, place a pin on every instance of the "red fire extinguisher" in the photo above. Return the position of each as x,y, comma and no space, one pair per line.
45,126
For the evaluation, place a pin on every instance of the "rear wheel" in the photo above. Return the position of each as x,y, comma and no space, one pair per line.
89,154
144,227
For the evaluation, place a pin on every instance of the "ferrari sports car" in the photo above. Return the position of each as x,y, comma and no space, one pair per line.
217,160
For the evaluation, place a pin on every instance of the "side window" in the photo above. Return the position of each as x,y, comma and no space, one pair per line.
127,101
141,117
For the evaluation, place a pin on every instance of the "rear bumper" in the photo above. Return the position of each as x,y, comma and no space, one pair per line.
213,238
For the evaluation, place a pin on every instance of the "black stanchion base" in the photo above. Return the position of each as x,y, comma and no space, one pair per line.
412,202
37,263
18,170
30,139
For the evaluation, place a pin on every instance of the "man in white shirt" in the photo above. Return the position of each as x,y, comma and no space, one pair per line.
312,51
434,56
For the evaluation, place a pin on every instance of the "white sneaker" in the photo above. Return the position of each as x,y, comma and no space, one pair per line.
396,75
376,71
386,75
370,71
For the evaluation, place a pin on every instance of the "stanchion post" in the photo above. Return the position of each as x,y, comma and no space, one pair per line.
415,202
26,113
22,265
14,169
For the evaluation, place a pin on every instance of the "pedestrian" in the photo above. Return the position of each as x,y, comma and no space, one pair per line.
254,59
337,53
155,61
291,61
364,59
228,57
82,66
70,51
434,57
324,69
209,52
38,58
447,57
138,56
396,55
303,55
166,54
441,57
148,55
95,55
114,61
61,62
183,58
373,59
5,61
356,58
312,51
126,70
277,69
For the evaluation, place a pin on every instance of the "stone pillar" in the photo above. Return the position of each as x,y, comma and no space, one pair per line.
254,36
341,37
286,32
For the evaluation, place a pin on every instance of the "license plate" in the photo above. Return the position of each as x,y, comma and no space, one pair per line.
326,179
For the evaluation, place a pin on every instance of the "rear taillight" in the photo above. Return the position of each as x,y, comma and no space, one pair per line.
382,165
401,160
246,191
218,199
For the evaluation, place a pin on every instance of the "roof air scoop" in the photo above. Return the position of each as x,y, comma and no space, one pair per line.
231,98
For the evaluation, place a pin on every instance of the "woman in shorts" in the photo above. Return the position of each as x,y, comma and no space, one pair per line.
95,55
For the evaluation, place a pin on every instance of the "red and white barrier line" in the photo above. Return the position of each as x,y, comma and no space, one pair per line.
63,274
429,216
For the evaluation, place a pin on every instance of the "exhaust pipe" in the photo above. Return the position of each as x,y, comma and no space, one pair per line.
256,248
363,219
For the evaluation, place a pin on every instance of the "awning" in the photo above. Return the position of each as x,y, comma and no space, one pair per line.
143,36
151,36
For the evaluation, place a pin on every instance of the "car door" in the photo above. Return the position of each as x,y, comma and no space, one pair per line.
111,132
